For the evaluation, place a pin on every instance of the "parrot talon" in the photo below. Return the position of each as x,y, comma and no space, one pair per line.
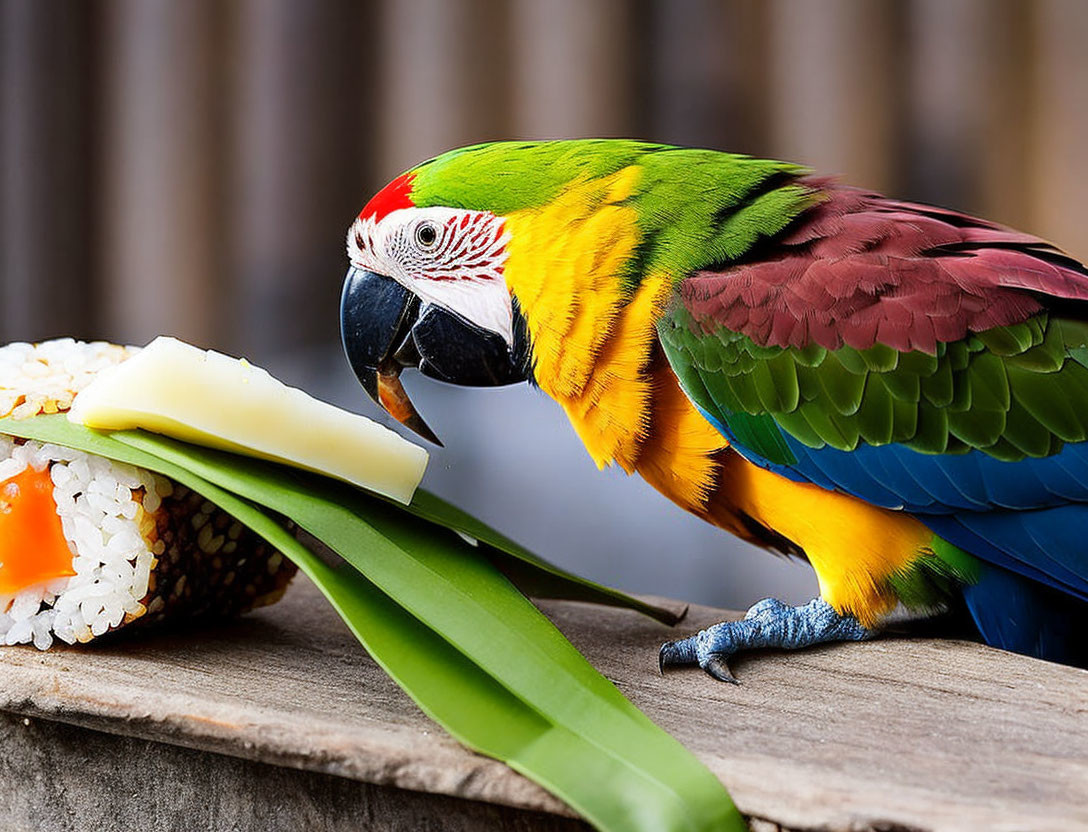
767,624
675,654
717,667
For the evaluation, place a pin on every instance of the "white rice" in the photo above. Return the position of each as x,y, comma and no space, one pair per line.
104,506
105,509
44,378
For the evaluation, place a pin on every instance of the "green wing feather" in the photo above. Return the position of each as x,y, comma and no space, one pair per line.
1011,392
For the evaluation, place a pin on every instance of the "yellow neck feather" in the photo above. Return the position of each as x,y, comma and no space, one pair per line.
592,339
595,349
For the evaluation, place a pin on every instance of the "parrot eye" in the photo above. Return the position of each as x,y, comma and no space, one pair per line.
426,234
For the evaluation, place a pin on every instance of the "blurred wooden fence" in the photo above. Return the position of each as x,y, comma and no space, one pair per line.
190,167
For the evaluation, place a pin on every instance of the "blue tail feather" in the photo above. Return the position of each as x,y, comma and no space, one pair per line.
1017,614
895,475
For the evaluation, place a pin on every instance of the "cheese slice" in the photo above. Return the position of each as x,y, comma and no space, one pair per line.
211,399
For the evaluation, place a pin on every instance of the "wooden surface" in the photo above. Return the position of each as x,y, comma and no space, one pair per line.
893,734
52,778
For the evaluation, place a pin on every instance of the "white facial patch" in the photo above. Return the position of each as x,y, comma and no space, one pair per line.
450,257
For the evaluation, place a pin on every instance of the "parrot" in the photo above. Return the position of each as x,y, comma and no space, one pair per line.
895,392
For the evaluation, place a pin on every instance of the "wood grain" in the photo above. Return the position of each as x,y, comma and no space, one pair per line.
893,734
55,771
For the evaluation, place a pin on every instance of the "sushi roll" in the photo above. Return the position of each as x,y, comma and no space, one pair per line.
89,545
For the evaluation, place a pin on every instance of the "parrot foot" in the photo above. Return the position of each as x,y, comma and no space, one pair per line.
767,624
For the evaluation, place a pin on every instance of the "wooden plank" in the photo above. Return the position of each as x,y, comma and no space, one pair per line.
56,776
932,735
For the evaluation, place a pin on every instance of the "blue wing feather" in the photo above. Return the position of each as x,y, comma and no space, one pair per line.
1025,542
1015,515
895,475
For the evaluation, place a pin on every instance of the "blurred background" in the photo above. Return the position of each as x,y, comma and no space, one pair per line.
191,168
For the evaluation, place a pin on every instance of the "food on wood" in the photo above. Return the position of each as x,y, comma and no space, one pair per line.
88,544
447,625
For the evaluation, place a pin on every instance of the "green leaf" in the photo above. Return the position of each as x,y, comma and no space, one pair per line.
532,574
480,613
451,630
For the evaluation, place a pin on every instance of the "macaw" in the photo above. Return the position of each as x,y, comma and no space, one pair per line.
896,392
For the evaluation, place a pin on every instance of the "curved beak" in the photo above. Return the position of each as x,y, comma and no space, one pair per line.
376,314
386,328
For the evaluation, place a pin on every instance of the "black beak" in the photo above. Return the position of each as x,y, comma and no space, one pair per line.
385,328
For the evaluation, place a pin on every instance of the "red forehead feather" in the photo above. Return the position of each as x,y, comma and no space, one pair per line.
395,195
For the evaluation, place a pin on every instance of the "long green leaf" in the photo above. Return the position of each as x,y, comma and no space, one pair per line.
532,574
475,609
521,693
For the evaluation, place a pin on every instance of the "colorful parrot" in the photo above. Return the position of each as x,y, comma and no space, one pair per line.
896,392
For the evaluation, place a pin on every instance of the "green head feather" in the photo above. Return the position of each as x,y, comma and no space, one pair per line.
695,208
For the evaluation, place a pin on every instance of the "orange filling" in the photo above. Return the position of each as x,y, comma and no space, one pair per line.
32,544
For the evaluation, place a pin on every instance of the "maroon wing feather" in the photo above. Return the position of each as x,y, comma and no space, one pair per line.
861,269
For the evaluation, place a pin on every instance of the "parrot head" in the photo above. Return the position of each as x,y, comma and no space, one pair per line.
469,266
426,289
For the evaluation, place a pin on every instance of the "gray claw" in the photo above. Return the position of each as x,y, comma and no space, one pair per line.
673,654
716,666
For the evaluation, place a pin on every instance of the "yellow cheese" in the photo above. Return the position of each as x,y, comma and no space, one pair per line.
210,399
